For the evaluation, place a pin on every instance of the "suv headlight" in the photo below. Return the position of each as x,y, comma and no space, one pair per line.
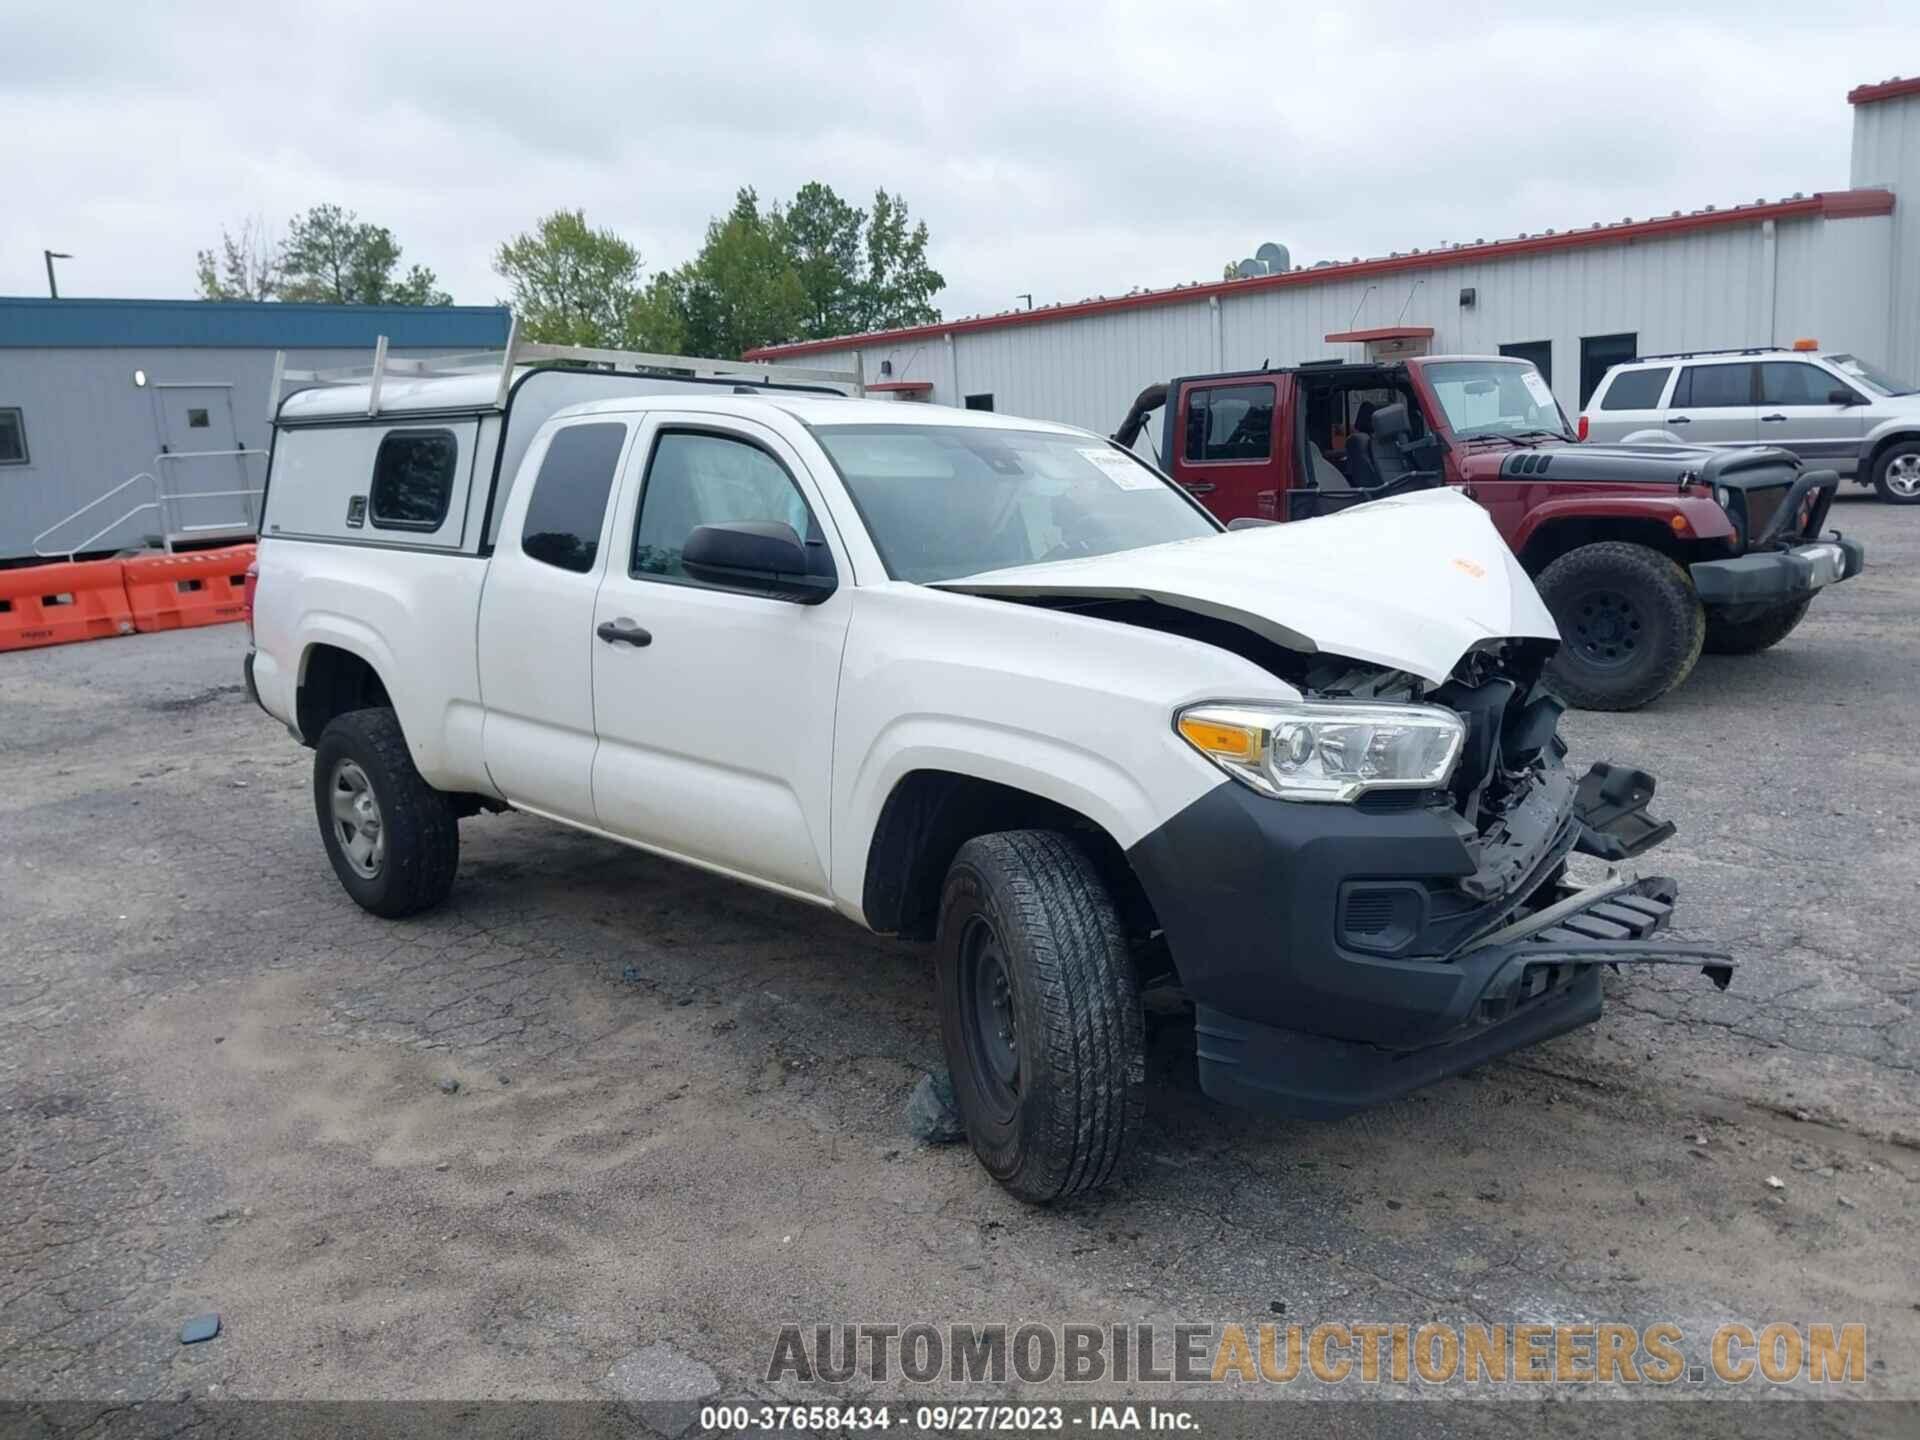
1327,750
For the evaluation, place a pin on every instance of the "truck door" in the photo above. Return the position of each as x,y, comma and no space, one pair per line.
1222,451
536,620
714,704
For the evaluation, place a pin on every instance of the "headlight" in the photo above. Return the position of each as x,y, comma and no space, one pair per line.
1326,750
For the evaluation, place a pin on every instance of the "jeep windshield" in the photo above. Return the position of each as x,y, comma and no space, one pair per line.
942,501
1871,376
1484,399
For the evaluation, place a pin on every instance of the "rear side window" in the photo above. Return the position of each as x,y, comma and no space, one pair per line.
1636,389
569,500
1230,422
412,479
1715,387
1794,382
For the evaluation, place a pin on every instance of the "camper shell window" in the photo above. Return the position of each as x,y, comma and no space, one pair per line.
413,479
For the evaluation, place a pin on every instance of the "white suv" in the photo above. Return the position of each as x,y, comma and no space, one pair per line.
1834,411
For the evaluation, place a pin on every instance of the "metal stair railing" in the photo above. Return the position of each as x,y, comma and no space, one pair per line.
164,503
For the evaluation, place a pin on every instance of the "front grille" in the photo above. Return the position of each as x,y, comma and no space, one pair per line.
1762,505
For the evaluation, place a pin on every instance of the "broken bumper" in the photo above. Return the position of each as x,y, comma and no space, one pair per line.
1773,576
1338,958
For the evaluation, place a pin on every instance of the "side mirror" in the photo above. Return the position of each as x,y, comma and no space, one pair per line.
764,558
1839,395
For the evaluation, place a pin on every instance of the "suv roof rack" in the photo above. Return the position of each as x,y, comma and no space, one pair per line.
520,354
1699,354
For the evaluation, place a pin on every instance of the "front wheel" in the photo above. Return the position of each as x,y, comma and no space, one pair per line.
393,839
1038,1013
1631,625
1753,632
1896,474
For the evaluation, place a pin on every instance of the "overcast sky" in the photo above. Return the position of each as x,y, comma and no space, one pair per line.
1051,148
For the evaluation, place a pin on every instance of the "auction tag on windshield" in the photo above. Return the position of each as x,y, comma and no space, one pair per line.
1126,473
1538,388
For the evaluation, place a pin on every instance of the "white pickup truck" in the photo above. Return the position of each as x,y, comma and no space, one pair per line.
988,682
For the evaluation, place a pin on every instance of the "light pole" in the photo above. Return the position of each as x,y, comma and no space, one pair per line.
53,288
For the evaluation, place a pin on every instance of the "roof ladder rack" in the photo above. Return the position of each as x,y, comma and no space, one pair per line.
521,354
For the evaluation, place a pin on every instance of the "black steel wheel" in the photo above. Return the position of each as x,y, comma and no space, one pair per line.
1631,625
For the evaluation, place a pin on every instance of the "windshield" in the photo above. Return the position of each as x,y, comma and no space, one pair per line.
1871,376
1495,397
942,501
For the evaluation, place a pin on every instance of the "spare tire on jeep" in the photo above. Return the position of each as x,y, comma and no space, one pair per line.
1631,626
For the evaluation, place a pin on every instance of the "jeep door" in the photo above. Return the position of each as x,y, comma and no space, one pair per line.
1797,412
1223,452
1713,404
714,703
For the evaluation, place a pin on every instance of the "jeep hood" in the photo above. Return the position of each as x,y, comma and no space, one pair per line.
1411,582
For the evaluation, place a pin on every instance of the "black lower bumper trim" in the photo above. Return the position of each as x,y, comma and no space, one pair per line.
1778,575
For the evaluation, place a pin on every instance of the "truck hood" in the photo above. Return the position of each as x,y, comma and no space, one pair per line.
1411,582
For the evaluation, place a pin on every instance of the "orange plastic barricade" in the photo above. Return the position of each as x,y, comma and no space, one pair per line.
201,587
59,603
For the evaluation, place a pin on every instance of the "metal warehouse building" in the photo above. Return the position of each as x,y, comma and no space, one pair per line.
1839,266
114,412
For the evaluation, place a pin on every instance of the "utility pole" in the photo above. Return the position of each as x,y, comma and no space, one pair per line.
53,287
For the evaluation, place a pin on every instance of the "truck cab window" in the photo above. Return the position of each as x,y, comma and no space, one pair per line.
696,479
412,479
569,501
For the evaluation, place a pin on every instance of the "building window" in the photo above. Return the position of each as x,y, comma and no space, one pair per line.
13,438
413,479
1540,352
1599,354
569,499
1230,422
197,420
980,402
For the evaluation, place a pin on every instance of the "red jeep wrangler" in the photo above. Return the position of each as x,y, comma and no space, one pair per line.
1645,554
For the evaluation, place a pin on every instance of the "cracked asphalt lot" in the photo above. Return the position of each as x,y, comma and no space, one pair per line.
679,1113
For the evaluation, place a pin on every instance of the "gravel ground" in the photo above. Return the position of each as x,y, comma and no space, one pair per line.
603,1117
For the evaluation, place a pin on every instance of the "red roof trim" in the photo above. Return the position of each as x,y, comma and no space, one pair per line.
905,387
1886,90
1838,204
1383,332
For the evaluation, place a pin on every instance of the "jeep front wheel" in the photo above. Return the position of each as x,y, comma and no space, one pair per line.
1038,1014
1754,630
1896,474
1631,625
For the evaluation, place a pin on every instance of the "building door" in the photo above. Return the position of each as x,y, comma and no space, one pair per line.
1540,352
1599,354
208,485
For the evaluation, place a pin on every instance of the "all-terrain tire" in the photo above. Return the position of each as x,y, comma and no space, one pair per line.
1755,633
420,832
1896,473
1631,625
1028,907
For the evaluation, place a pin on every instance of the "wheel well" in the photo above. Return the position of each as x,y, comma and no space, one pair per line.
1881,446
335,682
932,813
1559,537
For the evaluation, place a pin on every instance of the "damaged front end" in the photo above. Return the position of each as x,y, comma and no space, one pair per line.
1380,945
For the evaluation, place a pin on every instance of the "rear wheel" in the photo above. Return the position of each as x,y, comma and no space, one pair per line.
393,839
1038,1013
1631,625
1754,631
1896,474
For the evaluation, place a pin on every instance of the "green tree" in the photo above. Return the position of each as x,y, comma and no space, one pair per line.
813,269
247,266
742,290
571,285
332,255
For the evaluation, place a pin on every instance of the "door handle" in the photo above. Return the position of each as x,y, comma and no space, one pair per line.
1198,487
1678,420
624,632
1773,417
